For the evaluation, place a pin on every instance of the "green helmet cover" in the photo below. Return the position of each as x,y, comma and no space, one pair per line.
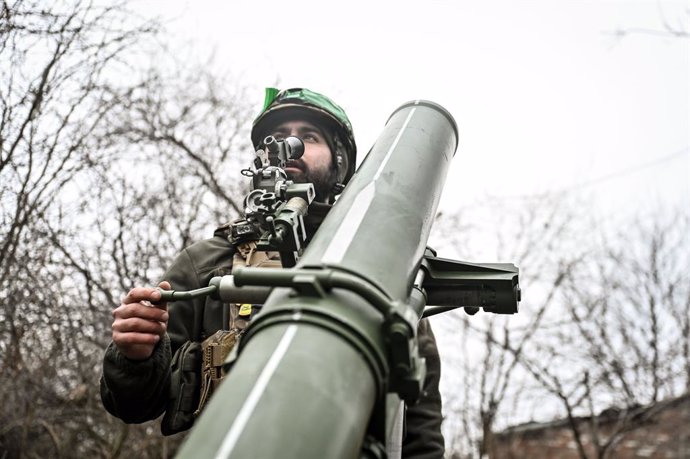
296,102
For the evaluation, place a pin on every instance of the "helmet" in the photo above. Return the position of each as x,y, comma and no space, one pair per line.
282,105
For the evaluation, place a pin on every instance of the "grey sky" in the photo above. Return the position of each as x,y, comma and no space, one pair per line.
546,96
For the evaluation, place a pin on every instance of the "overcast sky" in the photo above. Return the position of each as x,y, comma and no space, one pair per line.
546,95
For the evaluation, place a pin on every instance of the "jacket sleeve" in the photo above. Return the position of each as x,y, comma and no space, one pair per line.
138,391
423,438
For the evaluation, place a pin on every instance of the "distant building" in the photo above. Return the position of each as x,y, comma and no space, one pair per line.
660,431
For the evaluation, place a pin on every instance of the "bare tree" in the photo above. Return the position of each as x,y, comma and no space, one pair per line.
102,180
670,26
624,349
603,326
543,237
52,104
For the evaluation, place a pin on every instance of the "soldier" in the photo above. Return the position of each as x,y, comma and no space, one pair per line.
153,364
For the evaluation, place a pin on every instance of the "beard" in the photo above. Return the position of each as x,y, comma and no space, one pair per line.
322,179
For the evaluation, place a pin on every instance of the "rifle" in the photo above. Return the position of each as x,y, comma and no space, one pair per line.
324,369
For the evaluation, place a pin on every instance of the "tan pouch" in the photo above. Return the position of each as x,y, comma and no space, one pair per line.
214,350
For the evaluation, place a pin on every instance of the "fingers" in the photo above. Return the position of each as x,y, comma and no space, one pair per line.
135,337
137,304
137,329
126,341
138,325
139,294
156,301
138,310
147,296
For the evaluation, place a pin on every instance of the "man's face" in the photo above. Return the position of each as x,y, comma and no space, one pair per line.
316,165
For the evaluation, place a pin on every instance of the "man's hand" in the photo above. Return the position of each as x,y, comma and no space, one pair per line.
139,324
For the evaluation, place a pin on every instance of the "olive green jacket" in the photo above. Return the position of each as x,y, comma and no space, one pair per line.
139,391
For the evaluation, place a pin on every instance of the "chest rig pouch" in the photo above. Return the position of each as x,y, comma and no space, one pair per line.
215,348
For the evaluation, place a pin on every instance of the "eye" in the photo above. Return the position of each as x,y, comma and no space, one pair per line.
310,137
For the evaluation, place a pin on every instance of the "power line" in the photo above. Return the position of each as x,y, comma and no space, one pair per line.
604,178
629,170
